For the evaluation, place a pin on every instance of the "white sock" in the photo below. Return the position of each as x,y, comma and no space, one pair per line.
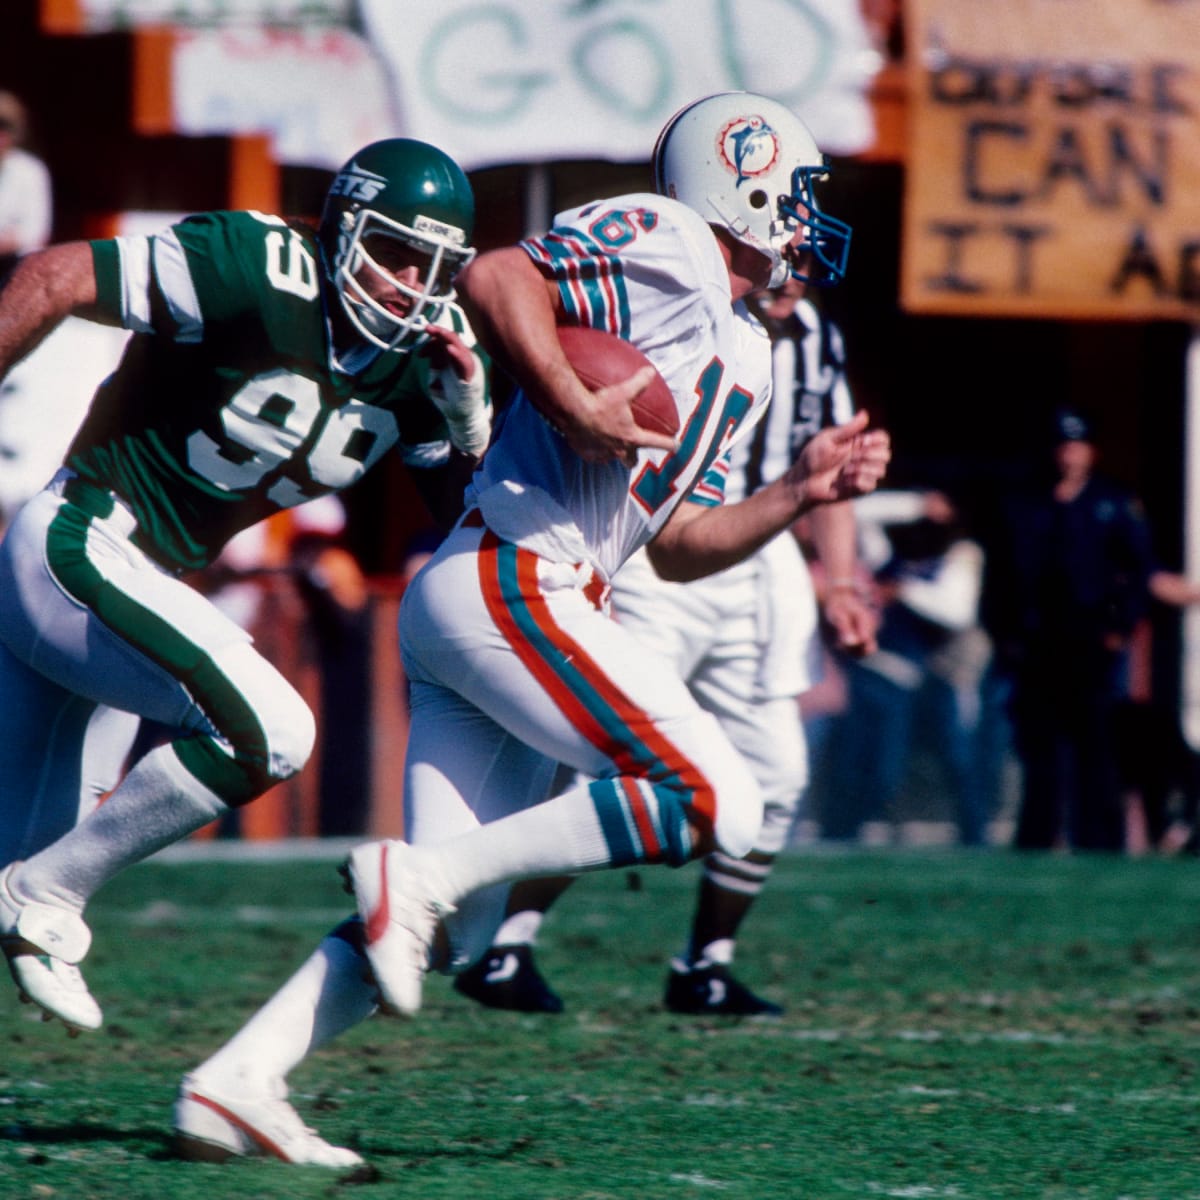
158,802
521,929
330,993
718,953
558,837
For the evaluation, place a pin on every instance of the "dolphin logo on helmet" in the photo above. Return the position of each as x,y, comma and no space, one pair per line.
750,146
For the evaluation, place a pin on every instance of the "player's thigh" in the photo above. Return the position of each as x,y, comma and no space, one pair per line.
539,661
104,622
108,742
544,665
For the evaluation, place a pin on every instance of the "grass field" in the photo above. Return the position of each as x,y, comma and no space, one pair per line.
969,1026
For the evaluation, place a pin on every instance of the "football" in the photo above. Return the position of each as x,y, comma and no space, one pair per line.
601,359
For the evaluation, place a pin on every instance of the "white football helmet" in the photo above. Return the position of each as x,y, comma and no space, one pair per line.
747,163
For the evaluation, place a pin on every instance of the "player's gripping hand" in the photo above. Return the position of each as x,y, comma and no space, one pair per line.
599,426
842,462
458,386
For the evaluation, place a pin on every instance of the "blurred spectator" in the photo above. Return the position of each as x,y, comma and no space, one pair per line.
26,206
932,651
1072,570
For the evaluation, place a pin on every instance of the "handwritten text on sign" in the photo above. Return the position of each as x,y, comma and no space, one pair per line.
1055,161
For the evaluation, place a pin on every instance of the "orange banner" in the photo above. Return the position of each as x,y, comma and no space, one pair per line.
1054,163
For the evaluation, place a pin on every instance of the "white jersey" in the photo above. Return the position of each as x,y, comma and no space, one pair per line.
26,207
649,269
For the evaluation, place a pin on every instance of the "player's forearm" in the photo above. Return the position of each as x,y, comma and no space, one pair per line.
45,287
834,532
699,541
511,308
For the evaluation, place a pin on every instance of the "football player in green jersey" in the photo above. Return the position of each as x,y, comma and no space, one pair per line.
269,363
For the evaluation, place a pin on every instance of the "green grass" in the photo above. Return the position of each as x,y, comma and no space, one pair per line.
967,1026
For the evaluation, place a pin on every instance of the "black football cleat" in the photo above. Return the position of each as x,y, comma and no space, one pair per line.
506,977
712,989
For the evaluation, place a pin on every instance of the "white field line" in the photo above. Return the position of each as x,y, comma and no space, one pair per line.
199,850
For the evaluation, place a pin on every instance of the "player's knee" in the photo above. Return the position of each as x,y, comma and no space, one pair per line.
265,750
781,795
291,735
270,729
725,814
739,815
776,825
783,777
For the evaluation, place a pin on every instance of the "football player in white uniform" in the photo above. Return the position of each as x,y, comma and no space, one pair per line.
745,641
514,665
269,363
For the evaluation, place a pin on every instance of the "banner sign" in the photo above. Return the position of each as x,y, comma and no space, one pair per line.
101,16
320,94
510,81
1054,162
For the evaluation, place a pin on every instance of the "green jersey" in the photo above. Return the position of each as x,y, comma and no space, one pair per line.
230,402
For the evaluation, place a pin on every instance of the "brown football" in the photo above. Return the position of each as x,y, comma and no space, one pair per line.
601,359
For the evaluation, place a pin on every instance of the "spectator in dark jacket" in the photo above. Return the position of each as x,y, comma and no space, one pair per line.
1072,583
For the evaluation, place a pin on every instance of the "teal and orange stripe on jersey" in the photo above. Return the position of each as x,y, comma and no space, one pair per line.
650,811
590,278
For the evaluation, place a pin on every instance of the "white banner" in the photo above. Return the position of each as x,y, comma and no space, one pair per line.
100,16
321,94
510,81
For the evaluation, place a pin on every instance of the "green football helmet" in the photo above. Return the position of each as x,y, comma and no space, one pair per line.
397,202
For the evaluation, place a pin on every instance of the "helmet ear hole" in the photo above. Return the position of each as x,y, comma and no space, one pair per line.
758,198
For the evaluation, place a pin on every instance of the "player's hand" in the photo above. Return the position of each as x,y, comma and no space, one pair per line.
458,387
446,350
842,462
601,427
853,621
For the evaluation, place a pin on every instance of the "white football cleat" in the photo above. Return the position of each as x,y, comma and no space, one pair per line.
400,910
213,1127
42,943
